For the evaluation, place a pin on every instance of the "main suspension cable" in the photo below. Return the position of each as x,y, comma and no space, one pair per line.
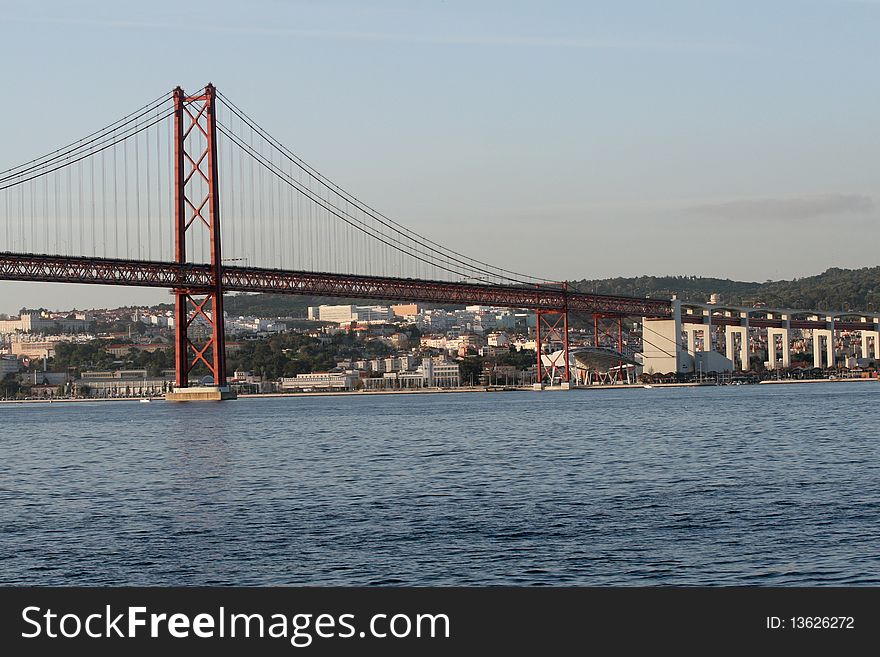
76,147
378,216
329,207
94,151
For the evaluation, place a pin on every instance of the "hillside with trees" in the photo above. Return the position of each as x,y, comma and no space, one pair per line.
834,289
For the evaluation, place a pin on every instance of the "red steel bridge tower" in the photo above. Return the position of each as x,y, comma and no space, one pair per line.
197,207
551,327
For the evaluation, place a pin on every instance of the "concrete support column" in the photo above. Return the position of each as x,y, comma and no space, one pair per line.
705,330
871,330
771,347
818,334
867,352
729,333
662,347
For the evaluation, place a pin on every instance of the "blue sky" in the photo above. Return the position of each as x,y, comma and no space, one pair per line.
569,139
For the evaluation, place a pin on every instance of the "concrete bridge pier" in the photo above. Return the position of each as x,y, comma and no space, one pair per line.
818,334
692,330
743,332
771,348
866,352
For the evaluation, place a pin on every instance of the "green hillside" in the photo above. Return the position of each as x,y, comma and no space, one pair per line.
835,289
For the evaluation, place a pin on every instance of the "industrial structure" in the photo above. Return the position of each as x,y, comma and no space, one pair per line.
711,330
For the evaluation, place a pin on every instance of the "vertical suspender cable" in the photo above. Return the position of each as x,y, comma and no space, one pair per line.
137,197
147,193
68,242
94,239
104,204
80,218
44,242
114,214
125,194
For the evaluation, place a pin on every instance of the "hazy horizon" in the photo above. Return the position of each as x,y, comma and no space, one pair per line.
570,140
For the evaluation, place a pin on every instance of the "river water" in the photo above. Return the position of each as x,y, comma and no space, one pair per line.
769,485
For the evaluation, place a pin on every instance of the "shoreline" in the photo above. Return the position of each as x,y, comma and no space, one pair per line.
850,380
434,391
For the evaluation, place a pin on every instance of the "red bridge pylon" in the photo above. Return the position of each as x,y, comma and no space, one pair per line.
197,207
551,327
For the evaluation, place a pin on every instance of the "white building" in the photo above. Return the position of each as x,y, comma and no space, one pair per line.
433,341
346,314
498,340
432,373
35,323
406,362
529,345
441,373
435,320
320,381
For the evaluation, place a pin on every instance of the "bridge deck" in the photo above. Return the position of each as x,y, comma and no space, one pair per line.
762,322
198,277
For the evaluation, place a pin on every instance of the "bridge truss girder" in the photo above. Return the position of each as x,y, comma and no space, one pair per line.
199,279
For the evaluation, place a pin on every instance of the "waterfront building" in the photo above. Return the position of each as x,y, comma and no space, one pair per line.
123,383
440,373
320,381
113,387
432,373
401,380
247,382
114,374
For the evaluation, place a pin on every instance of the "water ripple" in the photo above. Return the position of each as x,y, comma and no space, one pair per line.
767,485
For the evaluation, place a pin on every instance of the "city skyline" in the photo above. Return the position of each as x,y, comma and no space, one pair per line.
479,126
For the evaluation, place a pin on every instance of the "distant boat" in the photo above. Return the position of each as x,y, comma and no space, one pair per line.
145,401
648,386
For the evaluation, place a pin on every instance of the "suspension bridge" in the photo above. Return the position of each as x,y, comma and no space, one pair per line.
139,203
